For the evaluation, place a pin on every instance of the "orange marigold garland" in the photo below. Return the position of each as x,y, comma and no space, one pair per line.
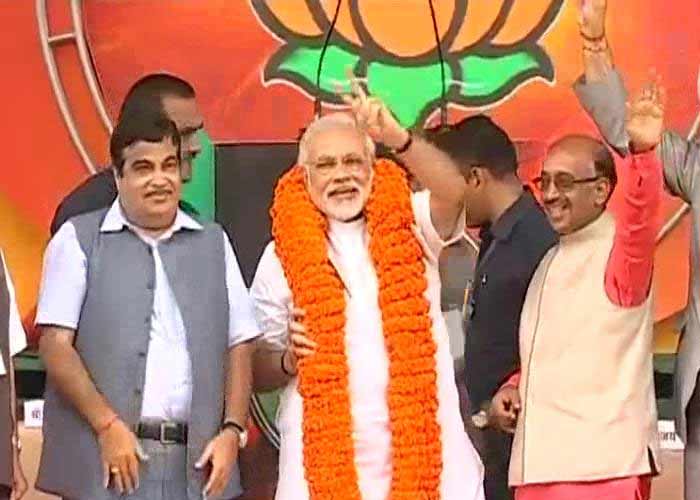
299,231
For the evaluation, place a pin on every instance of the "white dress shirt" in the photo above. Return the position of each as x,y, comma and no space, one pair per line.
368,377
18,337
167,391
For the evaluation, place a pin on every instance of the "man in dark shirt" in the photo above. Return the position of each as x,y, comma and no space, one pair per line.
153,93
515,235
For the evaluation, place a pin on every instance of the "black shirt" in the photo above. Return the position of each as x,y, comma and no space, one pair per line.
511,250
96,192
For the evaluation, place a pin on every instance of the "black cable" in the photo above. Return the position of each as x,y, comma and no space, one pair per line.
443,96
317,103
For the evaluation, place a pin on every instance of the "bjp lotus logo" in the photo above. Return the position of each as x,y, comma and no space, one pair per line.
490,48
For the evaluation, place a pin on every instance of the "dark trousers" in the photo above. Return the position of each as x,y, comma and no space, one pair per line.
5,492
692,446
493,447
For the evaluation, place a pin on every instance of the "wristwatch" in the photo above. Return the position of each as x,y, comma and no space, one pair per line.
480,420
238,428
405,146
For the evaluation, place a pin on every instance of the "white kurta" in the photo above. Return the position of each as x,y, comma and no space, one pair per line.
462,474
18,338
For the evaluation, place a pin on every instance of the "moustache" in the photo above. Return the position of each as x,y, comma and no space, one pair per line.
348,188
158,192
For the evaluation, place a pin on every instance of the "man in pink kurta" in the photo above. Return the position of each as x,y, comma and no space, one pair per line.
582,406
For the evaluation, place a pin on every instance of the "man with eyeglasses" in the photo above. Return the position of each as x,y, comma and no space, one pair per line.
601,91
582,407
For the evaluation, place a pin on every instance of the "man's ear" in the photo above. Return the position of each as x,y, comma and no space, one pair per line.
603,192
307,175
480,176
117,177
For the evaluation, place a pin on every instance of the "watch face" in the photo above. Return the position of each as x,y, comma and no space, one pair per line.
480,420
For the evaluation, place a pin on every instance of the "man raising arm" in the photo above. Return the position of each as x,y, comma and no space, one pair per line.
602,93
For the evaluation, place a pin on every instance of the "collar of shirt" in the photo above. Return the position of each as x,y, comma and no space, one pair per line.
503,227
115,221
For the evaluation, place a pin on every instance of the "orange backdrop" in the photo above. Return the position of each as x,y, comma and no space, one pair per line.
225,49
249,63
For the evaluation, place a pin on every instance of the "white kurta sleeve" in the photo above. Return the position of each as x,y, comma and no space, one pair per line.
63,280
242,324
431,239
272,300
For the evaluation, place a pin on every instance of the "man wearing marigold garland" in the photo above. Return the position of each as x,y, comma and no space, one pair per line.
349,295
583,408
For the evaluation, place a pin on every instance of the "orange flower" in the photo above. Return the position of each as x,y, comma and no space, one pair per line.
404,28
323,378
489,46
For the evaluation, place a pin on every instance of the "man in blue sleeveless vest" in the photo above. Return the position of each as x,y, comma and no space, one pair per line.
146,333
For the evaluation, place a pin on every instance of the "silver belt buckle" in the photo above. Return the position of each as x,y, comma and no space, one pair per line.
163,428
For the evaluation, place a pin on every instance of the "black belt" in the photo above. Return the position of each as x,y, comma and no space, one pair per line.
165,432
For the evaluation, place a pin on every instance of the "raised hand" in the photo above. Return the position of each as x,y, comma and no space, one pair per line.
592,18
645,117
373,116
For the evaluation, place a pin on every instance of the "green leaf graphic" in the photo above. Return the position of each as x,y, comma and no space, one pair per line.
407,90
302,62
487,78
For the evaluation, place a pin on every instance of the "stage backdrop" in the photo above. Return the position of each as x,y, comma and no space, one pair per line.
68,63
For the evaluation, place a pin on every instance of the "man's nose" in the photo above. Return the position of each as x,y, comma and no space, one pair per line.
550,192
159,178
341,175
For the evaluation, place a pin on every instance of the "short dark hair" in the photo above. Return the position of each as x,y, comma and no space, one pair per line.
148,92
140,126
603,161
605,165
477,141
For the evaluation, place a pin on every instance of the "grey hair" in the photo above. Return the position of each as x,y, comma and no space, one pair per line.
332,121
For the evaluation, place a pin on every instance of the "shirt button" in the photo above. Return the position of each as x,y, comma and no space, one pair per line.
142,354
150,285
138,392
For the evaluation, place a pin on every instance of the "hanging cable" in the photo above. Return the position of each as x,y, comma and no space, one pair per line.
318,108
443,96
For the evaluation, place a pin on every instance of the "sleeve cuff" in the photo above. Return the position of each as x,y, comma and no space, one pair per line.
59,322
613,82
245,334
512,381
649,156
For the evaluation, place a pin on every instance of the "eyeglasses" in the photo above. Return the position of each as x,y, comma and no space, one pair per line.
562,181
